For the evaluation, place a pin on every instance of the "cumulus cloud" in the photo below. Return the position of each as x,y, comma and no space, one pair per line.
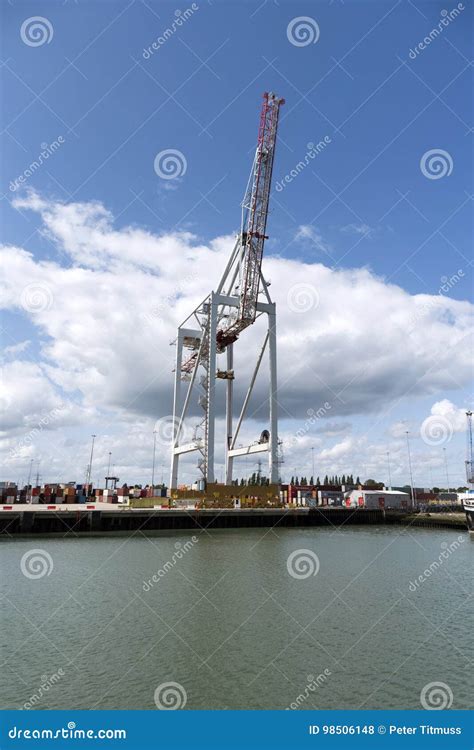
312,236
107,308
362,229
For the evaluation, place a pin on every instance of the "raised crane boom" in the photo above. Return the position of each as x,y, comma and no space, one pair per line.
254,221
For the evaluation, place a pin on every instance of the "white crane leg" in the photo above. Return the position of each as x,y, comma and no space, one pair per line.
176,409
229,408
211,388
273,453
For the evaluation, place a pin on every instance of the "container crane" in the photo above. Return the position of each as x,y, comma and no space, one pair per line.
222,317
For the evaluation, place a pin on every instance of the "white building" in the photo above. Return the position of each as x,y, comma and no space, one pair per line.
377,499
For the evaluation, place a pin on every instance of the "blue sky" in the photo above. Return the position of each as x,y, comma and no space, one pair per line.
364,200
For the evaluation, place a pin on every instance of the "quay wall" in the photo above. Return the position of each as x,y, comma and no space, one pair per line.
79,521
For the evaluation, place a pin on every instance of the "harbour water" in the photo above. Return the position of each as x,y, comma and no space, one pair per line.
360,617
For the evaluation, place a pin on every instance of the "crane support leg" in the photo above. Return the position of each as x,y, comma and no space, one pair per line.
176,408
211,399
273,453
229,410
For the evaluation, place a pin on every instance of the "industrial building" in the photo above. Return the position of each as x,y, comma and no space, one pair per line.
386,499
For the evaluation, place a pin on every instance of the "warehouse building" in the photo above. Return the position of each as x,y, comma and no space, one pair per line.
377,499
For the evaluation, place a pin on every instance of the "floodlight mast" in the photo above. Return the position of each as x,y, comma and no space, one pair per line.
469,451
222,317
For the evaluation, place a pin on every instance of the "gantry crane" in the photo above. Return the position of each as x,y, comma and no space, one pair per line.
221,318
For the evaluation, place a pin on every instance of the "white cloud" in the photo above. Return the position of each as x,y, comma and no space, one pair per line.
361,229
17,348
105,320
309,234
455,416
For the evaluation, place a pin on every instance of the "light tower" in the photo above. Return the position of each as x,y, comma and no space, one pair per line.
469,451
221,317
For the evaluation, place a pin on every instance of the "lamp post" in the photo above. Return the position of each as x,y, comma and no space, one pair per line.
389,473
446,467
411,473
29,489
89,472
153,462
312,460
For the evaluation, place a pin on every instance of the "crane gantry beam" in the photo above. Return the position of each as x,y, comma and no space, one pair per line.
216,324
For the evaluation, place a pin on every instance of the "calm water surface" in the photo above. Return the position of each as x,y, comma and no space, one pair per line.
232,626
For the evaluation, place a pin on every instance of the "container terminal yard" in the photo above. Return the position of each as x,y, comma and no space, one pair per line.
78,509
